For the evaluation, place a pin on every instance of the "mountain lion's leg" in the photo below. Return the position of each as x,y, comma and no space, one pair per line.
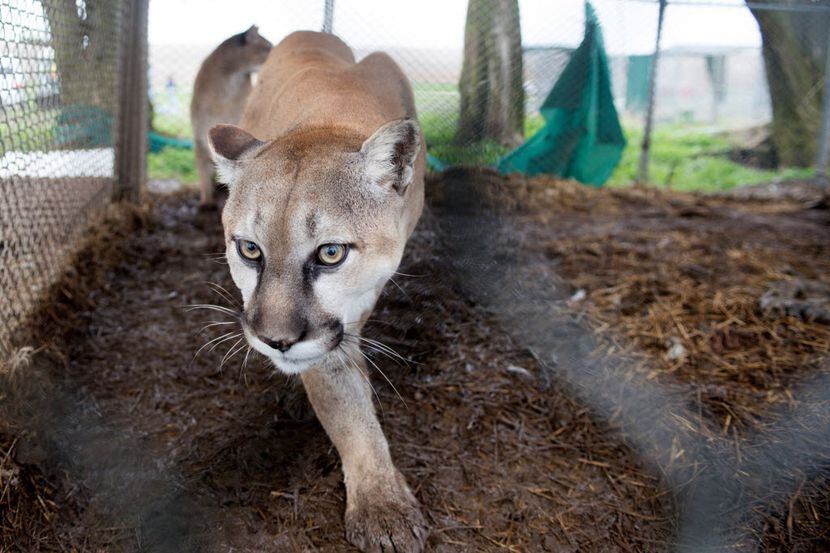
381,512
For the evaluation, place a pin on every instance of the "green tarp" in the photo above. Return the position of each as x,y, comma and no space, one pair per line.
582,137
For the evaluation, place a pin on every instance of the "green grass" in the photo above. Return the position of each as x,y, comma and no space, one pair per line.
684,156
33,130
439,131
172,163
687,158
173,124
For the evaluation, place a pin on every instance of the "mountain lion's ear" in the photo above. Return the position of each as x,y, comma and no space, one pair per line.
230,146
389,154
251,34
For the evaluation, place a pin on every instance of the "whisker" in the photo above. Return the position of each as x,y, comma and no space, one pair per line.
217,323
388,351
223,293
206,344
375,349
228,355
245,361
384,376
381,352
228,292
384,347
216,345
357,367
242,372
392,280
212,307
375,321
220,257
408,275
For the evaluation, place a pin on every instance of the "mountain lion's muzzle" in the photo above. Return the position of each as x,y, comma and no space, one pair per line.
282,319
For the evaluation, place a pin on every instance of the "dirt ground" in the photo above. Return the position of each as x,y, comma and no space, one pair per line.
119,439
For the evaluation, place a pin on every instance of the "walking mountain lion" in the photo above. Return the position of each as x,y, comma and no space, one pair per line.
326,180
222,86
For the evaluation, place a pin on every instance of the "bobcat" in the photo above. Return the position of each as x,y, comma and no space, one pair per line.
326,179
222,86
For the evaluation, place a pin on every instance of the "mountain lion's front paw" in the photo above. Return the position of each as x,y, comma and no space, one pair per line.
394,526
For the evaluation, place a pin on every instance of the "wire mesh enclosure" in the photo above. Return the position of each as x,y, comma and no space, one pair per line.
64,86
60,74
572,365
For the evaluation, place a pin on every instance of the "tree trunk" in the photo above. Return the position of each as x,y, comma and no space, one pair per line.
85,43
794,50
492,95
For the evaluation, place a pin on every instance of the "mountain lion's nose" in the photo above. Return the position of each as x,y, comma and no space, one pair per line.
285,343
282,345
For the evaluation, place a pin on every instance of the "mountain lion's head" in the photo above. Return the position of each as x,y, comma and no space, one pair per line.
247,50
315,225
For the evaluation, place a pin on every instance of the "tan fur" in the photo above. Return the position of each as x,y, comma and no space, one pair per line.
311,80
222,87
328,152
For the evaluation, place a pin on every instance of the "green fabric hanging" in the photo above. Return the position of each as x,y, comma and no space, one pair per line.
582,137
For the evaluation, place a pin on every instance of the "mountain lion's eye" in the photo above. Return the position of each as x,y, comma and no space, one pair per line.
248,250
332,254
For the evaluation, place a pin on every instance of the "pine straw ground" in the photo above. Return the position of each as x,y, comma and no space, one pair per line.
116,438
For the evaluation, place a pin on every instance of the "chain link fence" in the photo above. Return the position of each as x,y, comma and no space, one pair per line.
489,77
59,100
717,122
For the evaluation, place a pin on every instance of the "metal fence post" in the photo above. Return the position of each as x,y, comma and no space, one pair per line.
642,173
328,16
823,150
133,103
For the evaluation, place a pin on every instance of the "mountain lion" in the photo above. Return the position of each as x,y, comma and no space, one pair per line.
222,86
326,179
